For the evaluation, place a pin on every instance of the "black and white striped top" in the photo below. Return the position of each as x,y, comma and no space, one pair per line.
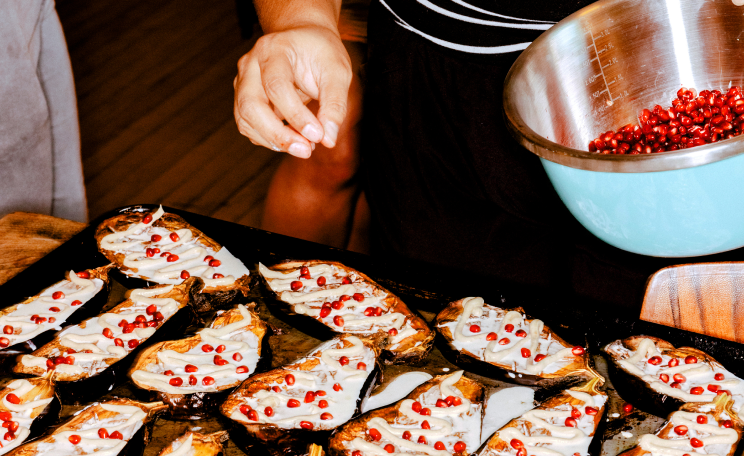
481,26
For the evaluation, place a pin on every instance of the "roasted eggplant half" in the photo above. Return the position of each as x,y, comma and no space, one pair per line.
288,408
508,345
90,357
697,428
443,414
344,300
658,378
33,322
564,424
193,376
28,408
196,444
110,428
163,248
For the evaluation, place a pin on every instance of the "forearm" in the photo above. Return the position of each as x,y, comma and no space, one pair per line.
276,16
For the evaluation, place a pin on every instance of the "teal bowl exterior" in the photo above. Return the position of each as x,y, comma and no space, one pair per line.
678,213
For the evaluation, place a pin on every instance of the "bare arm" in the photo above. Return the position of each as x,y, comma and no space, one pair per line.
301,57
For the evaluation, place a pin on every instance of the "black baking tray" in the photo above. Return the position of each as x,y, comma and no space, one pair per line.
420,286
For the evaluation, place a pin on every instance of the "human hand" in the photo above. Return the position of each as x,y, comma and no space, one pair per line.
283,72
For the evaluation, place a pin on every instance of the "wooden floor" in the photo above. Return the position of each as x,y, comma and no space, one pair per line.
154,84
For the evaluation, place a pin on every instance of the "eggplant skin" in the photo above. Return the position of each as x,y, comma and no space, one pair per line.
574,374
213,297
357,427
636,390
416,347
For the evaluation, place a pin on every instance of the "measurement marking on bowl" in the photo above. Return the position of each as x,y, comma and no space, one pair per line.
610,61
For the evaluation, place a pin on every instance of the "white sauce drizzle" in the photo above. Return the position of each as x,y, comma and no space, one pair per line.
322,377
491,319
714,438
21,413
560,440
310,298
183,449
237,340
137,238
447,424
102,351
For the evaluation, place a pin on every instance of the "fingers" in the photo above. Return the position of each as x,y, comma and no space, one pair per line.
278,79
256,118
333,93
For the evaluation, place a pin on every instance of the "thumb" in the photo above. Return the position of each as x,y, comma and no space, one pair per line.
333,95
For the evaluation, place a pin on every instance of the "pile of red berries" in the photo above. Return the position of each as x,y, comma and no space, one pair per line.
692,120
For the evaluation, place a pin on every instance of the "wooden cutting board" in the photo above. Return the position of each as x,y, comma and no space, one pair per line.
26,237
706,298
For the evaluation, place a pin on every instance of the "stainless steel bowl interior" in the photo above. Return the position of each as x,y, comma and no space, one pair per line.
597,69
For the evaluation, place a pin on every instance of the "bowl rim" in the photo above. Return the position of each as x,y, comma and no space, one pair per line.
592,161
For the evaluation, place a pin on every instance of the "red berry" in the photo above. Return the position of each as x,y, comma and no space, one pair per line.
176,381
156,238
679,378
696,443
520,333
526,353
174,237
207,381
293,403
690,359
718,377
426,411
321,281
309,397
346,280
338,320
74,439
245,408
460,447
676,385
107,333
343,360
516,444
406,435
570,422
680,430
416,406
172,258
147,219
591,410
76,302
191,368
338,305
361,366
218,263
504,341
290,379
54,309
539,357
375,434
702,419
697,390
322,403
252,415
220,348
325,311
425,425
575,413
207,348
627,408
241,370
185,274
655,360
492,336
475,328
133,343
6,416
295,285
103,433
578,351
326,416
208,258
439,446
12,398
358,297
116,435
118,342
674,362
441,403
727,423
268,411
421,440
337,387
4,342
713,388
58,295
7,329
237,357
509,328
664,378
393,332
192,380
83,274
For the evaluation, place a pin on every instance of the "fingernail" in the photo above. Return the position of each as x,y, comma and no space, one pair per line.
299,150
312,133
331,132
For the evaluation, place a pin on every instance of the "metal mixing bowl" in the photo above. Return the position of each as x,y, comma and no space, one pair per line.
595,71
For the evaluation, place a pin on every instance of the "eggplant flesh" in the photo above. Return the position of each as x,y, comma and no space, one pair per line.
491,323
640,379
88,309
255,428
412,340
